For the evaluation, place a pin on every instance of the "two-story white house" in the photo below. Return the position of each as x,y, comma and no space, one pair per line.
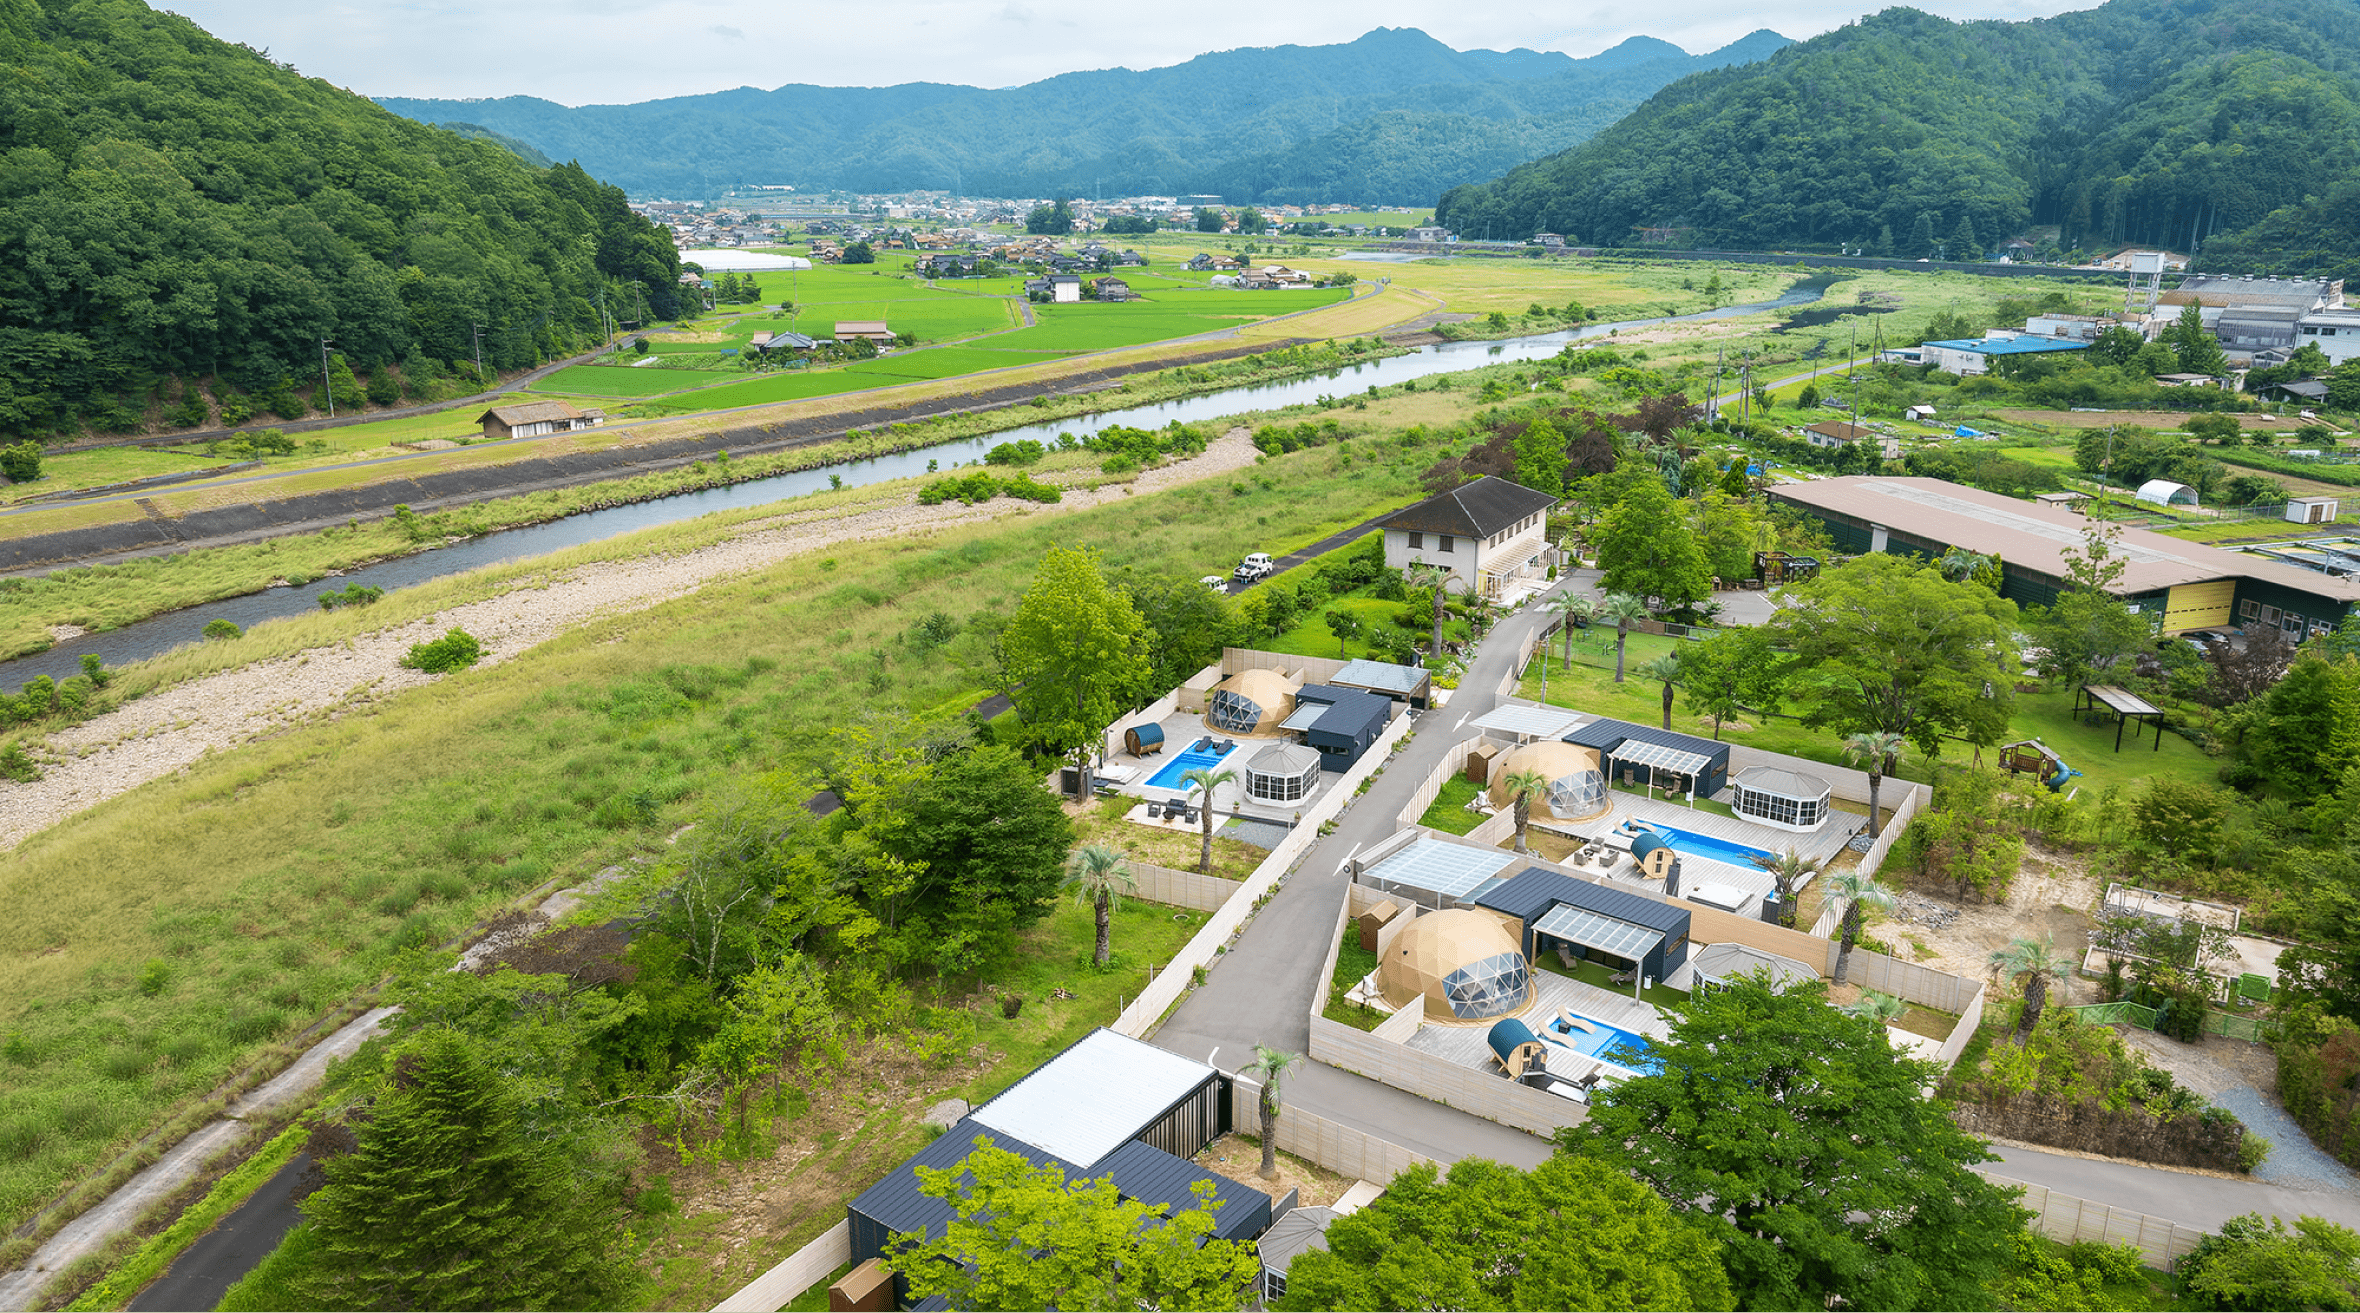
1481,532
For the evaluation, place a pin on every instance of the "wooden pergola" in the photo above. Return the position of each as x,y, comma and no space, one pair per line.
2125,705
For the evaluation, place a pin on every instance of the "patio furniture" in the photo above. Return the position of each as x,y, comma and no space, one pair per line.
1155,811
1572,1022
1623,977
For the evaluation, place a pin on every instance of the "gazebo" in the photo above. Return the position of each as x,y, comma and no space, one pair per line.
1282,772
1784,799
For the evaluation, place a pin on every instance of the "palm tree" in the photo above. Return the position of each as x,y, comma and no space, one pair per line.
1879,750
1880,1008
1860,892
1575,609
1667,669
1523,787
1787,870
1624,610
1959,565
1269,1067
1419,574
2038,962
1099,878
1207,780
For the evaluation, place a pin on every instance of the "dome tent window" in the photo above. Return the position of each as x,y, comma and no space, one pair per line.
1250,702
1492,987
1234,712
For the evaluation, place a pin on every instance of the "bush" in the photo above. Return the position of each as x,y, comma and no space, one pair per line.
1025,451
353,595
455,650
223,630
21,463
18,765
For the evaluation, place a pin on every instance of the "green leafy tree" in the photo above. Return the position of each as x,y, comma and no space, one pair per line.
1054,219
1858,893
1625,610
1803,1142
1896,647
1346,627
20,462
2086,633
992,842
1731,671
1099,877
1205,781
2306,728
2195,349
2036,962
779,1018
1269,1069
1210,220
2254,1262
1420,576
1540,458
1250,221
1525,787
1025,1237
2219,430
1075,655
860,253
1646,548
447,1201
1569,1234
1878,751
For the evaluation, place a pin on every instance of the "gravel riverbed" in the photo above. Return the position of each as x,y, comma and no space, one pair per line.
167,731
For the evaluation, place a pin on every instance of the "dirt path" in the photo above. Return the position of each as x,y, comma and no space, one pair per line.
87,764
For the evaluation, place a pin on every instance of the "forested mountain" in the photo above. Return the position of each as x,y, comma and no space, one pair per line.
2160,121
171,204
1393,117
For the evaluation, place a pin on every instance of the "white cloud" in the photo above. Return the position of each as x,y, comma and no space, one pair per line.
606,51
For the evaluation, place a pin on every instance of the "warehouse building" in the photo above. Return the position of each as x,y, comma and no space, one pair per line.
1109,1106
2192,586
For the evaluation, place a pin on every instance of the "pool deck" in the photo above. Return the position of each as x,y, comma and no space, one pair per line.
1816,847
1467,1046
1184,728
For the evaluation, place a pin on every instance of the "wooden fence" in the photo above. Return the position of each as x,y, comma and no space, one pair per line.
1224,924
1342,1149
801,1270
1964,1031
2066,1219
1162,884
1831,913
1924,986
1478,1093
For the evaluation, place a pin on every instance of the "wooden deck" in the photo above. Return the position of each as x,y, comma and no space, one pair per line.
1467,1045
1816,848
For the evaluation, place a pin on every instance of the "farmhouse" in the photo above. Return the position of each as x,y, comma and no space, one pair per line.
1482,533
532,419
1835,433
872,329
2193,586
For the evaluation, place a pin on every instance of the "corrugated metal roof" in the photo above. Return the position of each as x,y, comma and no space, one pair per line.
1608,735
1143,1172
1536,722
1348,710
1299,1232
1364,673
895,1203
1784,783
1084,1103
1450,869
2012,346
1535,890
530,412
1729,961
2035,537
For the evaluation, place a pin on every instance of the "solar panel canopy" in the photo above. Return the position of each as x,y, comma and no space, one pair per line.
1656,756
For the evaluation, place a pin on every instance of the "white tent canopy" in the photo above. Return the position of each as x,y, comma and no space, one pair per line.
726,261
2164,492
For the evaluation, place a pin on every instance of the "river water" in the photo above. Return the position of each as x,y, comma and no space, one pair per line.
160,634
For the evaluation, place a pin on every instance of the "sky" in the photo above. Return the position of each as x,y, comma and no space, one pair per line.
579,52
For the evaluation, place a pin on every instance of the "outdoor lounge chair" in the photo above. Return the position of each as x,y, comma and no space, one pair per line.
1576,1022
1155,811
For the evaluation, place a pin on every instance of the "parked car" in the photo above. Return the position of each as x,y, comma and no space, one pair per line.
1215,582
1255,567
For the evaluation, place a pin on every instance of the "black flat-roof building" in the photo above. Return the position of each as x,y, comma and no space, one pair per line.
1346,721
1595,920
1668,759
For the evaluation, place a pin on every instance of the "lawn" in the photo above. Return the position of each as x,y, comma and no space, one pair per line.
1448,812
1353,963
166,938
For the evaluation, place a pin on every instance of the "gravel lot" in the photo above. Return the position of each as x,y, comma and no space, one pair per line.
172,729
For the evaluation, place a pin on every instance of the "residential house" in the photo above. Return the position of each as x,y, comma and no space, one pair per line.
1965,357
950,264
1429,234
873,330
1837,433
1065,287
2336,332
1482,532
533,419
1112,289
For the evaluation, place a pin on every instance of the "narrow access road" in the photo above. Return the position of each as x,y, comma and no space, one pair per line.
2189,1198
1264,989
222,1257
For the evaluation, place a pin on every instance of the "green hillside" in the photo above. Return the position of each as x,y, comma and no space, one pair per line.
2157,121
173,205
1391,118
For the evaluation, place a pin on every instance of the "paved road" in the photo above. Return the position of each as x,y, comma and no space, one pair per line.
2190,1199
206,1270
1263,990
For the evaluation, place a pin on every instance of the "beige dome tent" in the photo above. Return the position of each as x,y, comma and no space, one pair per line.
1250,702
1464,965
1577,787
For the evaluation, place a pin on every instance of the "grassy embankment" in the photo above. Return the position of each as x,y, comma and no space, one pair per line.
170,936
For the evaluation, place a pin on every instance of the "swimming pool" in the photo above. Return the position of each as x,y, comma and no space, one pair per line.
1706,846
1608,1044
1180,764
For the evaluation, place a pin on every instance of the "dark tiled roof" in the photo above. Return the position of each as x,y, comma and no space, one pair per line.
1530,894
1475,510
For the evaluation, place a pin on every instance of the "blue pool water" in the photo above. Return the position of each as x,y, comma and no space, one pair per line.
1609,1044
1180,764
1706,846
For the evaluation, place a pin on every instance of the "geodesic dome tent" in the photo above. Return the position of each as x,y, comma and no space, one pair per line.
1463,966
1250,702
1577,786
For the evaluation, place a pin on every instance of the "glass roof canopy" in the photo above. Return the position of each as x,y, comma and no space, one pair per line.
1656,756
1604,933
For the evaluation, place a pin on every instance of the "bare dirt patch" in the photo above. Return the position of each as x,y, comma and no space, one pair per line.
2052,898
1240,1159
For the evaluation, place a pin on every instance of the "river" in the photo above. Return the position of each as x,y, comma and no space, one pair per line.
160,634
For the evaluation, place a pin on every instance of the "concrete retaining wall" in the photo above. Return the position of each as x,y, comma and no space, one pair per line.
1162,884
1479,1093
2065,1218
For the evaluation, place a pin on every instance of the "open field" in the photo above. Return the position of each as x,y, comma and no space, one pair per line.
168,935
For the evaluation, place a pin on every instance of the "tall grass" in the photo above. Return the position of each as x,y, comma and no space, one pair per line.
161,939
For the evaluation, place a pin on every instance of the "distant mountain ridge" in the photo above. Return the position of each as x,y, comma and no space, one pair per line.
1394,117
2232,125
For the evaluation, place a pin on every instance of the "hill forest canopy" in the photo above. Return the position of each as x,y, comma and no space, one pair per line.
174,205
1391,118
2170,122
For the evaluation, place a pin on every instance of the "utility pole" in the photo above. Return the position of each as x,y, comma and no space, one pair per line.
477,330
1713,400
327,389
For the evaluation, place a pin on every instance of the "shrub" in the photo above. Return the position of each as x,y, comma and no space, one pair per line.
353,595
455,650
222,630
21,463
17,764
1025,451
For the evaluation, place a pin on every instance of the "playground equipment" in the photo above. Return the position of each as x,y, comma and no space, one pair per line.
2035,758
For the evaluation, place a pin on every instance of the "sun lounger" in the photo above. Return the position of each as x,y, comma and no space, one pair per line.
1573,1022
